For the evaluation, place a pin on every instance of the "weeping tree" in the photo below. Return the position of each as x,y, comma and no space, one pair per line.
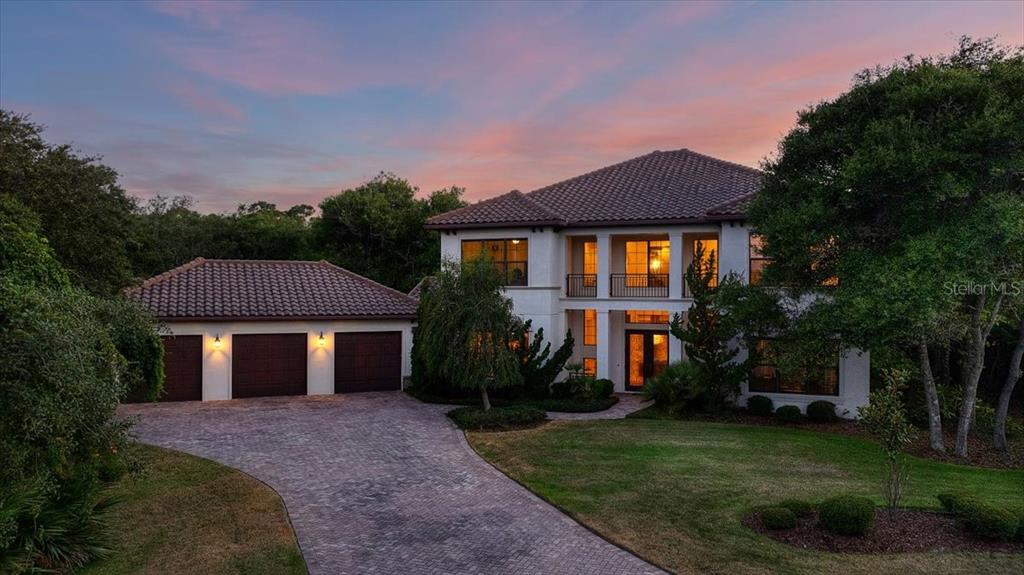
465,326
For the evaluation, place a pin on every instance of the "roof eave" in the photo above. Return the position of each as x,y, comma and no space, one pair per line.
494,225
183,319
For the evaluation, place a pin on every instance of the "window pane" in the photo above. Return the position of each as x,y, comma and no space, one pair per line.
710,247
590,257
590,327
767,377
645,316
471,250
636,259
495,249
658,256
517,250
590,366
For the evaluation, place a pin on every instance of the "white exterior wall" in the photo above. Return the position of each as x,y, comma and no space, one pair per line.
320,360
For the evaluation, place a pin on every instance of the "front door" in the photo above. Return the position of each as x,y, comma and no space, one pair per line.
646,356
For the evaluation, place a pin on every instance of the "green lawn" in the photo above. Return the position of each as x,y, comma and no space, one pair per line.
184,514
674,492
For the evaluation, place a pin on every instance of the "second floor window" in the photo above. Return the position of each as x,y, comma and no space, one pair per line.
710,259
647,263
509,257
757,259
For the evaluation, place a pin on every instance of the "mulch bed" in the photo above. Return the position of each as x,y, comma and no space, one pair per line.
982,454
906,531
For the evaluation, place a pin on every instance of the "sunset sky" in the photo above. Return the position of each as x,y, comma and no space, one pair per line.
290,102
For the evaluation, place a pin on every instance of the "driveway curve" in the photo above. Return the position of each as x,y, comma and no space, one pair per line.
381,483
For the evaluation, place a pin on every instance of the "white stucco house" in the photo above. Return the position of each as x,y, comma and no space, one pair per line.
604,254
251,328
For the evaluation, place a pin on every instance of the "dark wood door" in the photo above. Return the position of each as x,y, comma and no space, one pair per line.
268,364
183,368
646,356
367,361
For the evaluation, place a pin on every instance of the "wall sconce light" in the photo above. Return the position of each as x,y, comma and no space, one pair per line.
320,340
515,242
216,342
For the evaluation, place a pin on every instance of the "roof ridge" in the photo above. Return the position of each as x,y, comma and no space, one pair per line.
732,201
172,272
483,201
594,171
364,279
714,159
547,211
237,260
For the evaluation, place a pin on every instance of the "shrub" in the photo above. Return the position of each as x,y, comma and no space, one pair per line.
603,388
1020,528
798,507
496,418
847,515
778,518
788,414
562,389
823,411
760,405
576,405
954,502
675,389
537,364
988,521
885,418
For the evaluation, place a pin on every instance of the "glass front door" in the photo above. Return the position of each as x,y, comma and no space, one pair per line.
646,356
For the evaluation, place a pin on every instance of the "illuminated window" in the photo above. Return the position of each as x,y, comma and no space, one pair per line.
645,316
590,258
647,263
590,366
768,377
590,327
757,259
710,259
509,257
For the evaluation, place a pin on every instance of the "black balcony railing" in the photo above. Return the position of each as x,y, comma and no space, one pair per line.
581,285
639,285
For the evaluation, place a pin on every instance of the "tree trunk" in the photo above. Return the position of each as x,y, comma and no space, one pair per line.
975,347
931,399
486,400
1012,377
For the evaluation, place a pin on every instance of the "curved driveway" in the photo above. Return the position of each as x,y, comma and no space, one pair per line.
381,483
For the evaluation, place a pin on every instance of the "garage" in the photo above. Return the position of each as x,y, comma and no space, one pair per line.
183,368
367,361
268,364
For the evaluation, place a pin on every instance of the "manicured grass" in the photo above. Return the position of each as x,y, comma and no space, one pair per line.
184,514
674,492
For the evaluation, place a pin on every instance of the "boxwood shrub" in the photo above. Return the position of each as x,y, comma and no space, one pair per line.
497,418
778,518
954,501
760,405
822,411
603,388
788,414
798,507
989,521
847,515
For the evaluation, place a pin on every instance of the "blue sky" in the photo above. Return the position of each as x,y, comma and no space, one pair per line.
290,102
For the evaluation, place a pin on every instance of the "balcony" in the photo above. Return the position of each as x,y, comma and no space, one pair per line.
639,285
581,285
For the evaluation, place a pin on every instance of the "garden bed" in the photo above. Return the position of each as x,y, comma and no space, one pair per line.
507,418
905,531
550,404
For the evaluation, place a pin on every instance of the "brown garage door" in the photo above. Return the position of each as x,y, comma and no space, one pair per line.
183,368
367,361
268,364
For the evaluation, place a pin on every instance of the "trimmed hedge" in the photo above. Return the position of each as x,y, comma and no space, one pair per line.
822,411
497,418
576,405
798,507
847,515
778,518
954,501
982,518
788,414
603,388
760,405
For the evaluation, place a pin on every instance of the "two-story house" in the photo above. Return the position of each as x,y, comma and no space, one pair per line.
604,254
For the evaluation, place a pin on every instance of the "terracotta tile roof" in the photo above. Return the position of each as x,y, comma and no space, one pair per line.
268,290
660,187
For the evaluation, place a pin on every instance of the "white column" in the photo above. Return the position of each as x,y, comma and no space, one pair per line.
604,267
675,266
603,345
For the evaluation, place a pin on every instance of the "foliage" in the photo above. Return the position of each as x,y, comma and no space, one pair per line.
84,214
464,330
788,414
777,518
821,411
760,405
988,521
955,501
950,402
497,418
576,405
676,389
132,330
376,230
537,365
885,418
847,515
24,254
603,388
707,338
798,507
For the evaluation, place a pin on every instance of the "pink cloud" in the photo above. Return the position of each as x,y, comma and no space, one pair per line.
204,101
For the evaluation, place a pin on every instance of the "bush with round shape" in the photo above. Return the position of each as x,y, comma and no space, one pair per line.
802,509
788,414
603,388
955,501
497,418
822,411
760,405
988,521
778,518
849,515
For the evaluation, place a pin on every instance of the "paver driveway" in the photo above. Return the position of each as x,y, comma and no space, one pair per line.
381,483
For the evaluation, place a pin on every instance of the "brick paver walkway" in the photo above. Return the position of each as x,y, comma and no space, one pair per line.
628,403
381,483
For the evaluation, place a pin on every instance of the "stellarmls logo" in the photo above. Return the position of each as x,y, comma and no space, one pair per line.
1013,288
